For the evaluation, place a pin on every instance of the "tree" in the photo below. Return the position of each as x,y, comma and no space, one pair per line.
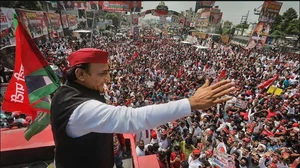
246,26
31,5
226,32
276,24
286,24
115,19
290,15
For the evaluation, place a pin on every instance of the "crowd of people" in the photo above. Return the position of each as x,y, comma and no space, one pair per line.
257,128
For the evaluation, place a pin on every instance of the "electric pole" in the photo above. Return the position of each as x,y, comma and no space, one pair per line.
244,22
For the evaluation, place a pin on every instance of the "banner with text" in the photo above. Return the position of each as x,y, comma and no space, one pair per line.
203,19
223,160
259,35
116,6
72,22
7,26
64,21
34,21
207,4
215,17
54,22
269,11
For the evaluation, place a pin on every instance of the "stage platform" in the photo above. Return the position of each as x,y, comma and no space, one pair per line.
15,150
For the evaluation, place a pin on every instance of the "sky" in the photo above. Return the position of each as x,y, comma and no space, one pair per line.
232,10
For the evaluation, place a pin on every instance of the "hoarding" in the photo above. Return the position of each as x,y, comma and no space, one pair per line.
64,21
215,17
34,21
7,26
259,35
206,4
203,19
104,5
72,22
269,11
54,22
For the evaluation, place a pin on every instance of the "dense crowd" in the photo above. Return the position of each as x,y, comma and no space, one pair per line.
257,128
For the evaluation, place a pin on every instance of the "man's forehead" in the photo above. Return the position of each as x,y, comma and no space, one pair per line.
99,66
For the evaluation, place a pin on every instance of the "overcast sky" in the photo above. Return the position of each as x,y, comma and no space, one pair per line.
232,10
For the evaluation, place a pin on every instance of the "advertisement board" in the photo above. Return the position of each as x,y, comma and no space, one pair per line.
54,22
206,4
7,26
64,21
259,35
269,11
72,22
225,38
202,19
104,5
215,17
136,33
34,21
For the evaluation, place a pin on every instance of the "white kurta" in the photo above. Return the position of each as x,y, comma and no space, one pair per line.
95,116
194,163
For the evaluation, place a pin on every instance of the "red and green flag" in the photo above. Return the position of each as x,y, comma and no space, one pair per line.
32,83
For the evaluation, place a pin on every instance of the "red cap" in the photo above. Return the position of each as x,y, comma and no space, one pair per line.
88,55
295,125
209,153
153,135
226,130
196,152
273,165
246,140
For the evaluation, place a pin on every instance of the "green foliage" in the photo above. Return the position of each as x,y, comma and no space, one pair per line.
286,24
226,32
31,5
115,19
246,26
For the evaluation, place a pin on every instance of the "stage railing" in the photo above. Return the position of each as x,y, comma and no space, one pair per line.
149,161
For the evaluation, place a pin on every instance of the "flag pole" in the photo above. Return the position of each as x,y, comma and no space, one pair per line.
93,28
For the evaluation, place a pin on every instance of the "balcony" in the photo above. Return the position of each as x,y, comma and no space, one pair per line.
40,150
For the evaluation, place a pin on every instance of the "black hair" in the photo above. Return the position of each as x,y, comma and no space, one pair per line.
176,148
189,141
71,76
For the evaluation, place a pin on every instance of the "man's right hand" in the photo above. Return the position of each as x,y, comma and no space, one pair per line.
210,95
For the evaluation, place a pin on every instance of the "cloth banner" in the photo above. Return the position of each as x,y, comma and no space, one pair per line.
34,21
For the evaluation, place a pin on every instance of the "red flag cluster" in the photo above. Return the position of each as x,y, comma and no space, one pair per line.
268,83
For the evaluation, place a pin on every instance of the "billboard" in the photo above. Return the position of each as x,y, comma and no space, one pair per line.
206,4
7,26
269,11
54,22
215,17
203,19
114,6
259,35
64,21
72,21
34,21
136,33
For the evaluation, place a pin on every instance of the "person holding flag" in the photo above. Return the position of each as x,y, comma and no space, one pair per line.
83,125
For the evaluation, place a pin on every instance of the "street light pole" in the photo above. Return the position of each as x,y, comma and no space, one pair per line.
244,22
92,33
